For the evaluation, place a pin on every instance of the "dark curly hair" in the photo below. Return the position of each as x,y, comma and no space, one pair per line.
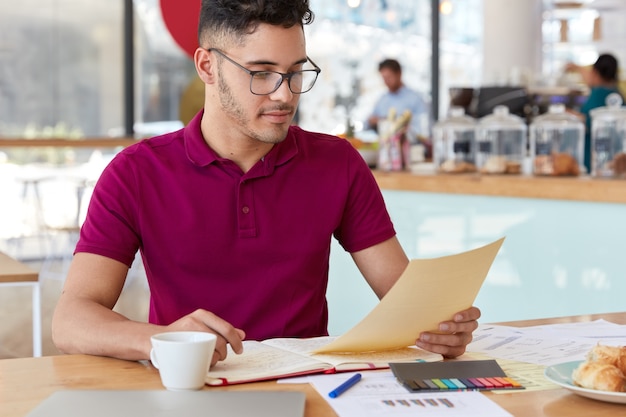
222,20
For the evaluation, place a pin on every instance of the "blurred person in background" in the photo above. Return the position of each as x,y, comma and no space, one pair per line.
603,79
398,97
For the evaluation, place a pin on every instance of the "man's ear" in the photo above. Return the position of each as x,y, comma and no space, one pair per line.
205,64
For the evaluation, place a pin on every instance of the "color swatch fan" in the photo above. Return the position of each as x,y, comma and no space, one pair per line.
453,376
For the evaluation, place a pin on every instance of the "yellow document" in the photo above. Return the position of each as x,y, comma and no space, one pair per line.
428,292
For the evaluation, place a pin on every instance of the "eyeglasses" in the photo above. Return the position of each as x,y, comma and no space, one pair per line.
266,82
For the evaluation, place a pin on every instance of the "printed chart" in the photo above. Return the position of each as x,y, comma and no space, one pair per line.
380,394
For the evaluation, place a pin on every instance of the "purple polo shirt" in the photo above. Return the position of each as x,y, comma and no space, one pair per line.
250,247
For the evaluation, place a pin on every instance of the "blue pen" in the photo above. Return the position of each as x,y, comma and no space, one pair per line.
345,386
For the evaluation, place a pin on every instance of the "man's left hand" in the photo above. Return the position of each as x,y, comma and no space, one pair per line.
453,336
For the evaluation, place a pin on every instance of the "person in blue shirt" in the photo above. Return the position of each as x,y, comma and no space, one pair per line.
603,79
399,97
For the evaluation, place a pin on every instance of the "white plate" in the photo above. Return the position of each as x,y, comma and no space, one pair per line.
561,374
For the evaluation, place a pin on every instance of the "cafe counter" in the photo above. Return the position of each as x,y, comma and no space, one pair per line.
584,189
563,253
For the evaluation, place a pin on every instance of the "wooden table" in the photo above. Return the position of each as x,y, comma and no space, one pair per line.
14,273
25,382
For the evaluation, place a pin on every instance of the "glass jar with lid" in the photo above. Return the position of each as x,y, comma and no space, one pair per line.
501,142
608,137
557,143
454,144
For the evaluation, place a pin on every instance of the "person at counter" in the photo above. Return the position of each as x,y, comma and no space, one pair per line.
602,78
234,214
399,97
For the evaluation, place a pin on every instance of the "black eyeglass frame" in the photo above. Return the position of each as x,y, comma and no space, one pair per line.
284,76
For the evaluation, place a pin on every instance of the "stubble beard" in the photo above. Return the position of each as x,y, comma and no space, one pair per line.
234,110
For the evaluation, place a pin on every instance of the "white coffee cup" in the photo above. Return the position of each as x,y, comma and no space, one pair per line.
182,358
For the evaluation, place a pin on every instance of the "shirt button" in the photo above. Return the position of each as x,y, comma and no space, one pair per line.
245,209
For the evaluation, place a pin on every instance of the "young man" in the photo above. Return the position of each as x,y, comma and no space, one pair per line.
234,214
400,98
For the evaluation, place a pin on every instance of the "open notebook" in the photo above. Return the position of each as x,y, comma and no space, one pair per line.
281,358
428,292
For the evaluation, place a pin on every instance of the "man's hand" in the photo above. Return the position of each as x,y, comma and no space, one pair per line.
205,321
372,121
453,336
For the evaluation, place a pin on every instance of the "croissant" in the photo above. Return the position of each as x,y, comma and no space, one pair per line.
599,376
612,355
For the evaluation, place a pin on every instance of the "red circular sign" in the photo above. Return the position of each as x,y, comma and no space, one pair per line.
181,20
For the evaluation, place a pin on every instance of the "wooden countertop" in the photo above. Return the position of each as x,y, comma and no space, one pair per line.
96,142
585,189
561,188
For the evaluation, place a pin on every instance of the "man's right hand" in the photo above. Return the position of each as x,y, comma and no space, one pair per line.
205,321
84,321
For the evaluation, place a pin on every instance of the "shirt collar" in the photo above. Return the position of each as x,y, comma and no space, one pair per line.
200,154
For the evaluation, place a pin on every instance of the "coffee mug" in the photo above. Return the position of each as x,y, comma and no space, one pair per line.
182,358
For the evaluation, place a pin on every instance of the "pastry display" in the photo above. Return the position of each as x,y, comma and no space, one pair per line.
494,165
513,167
502,140
451,166
557,141
454,143
564,164
608,137
556,164
618,164
542,165
603,369
499,164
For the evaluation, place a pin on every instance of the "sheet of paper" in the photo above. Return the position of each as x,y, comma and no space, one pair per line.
380,394
352,361
545,345
601,330
524,352
428,292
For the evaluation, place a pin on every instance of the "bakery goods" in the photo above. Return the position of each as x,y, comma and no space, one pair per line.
556,164
499,164
618,164
604,369
612,355
494,165
513,167
451,166
599,376
542,165
564,164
